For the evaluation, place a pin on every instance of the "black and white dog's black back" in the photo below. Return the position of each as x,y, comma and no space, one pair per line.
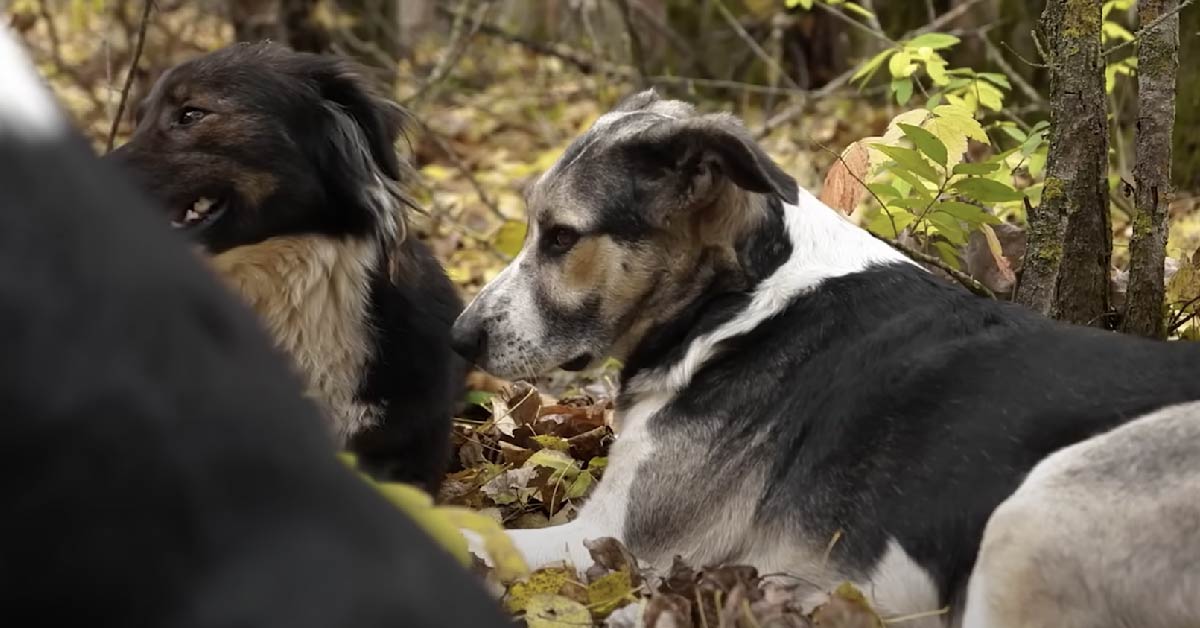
803,380
158,462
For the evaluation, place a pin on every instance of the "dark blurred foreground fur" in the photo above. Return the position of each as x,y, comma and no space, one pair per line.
158,464
282,166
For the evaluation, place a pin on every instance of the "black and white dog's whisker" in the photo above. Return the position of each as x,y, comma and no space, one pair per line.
787,377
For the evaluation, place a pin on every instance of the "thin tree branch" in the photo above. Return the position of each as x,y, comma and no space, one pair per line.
459,42
798,109
137,55
966,280
676,41
997,57
462,168
1147,28
733,23
635,42
943,19
853,23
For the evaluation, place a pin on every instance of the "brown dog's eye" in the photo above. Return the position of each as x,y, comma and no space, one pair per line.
189,116
559,240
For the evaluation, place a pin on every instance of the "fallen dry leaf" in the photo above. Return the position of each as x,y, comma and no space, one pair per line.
843,189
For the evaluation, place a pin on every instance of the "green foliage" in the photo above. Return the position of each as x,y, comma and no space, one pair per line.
847,5
1113,33
919,176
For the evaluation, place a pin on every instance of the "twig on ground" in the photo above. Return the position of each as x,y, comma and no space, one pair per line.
1179,320
137,55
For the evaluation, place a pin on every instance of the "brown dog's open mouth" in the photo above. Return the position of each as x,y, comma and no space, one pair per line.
199,214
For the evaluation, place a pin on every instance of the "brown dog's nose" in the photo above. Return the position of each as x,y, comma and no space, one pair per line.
468,337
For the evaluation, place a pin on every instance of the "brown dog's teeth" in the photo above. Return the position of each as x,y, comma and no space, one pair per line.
191,216
202,205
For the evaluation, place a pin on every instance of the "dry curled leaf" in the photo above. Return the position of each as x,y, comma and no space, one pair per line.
843,189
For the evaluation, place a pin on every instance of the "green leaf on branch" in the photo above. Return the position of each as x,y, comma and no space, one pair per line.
903,88
935,41
868,69
926,142
965,212
977,169
986,190
910,160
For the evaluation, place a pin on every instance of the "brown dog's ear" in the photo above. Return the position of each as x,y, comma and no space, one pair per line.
700,151
380,121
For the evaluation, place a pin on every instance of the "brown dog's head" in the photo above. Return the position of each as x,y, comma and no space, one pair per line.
255,141
654,208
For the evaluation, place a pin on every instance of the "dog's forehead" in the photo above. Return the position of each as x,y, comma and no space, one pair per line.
576,185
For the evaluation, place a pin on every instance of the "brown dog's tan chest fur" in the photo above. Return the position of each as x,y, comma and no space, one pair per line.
312,292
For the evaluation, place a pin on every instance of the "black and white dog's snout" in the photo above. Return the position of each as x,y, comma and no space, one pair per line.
469,335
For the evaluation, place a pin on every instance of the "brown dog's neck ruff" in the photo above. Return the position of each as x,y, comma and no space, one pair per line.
312,293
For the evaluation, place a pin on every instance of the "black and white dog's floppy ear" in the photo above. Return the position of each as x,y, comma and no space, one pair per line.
703,149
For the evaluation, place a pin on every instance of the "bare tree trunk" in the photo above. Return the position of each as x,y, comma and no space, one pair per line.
1066,268
1158,63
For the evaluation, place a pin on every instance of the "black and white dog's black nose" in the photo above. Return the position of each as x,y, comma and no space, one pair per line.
468,337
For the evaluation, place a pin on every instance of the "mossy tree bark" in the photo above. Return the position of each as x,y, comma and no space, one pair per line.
1158,64
1066,267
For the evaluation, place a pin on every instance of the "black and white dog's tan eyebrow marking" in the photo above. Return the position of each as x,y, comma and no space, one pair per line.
800,377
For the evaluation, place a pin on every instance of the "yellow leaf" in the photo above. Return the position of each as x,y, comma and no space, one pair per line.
418,505
581,485
547,581
509,237
556,611
507,562
561,462
549,441
953,125
437,173
610,592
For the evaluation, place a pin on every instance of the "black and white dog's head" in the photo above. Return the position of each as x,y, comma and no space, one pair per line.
256,141
642,215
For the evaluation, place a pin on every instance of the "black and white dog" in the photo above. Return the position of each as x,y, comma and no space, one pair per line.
283,166
159,464
789,381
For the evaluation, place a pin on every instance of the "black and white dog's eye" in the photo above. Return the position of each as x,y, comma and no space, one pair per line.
559,240
189,116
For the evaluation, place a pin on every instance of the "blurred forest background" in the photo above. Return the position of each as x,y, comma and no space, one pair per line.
499,87
1023,148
